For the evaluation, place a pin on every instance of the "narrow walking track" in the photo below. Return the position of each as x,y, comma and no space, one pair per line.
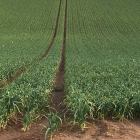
11,79
58,93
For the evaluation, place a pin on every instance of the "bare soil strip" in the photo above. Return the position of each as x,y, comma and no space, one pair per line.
58,93
11,79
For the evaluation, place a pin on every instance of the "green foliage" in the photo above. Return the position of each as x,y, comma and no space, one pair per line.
80,107
103,59
26,34
54,121
102,68
29,94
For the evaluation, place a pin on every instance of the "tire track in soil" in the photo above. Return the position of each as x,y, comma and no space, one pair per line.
58,92
18,73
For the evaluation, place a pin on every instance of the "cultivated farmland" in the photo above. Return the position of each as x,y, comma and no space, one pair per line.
103,59
24,32
87,52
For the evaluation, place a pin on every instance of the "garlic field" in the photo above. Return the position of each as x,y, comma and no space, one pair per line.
26,29
102,58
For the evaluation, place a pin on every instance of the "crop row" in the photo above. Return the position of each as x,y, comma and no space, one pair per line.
102,60
102,68
26,34
28,96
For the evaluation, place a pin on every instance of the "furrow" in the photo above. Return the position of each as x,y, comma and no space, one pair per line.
58,93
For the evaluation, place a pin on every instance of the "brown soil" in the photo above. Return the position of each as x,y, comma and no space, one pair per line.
98,130
104,130
13,132
58,93
11,79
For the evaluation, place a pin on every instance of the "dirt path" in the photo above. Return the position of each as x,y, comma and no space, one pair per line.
18,73
58,93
